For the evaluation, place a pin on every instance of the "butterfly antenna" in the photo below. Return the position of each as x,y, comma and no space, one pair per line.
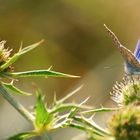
113,36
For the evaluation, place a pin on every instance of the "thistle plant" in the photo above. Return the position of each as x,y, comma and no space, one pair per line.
124,121
125,124
44,118
127,91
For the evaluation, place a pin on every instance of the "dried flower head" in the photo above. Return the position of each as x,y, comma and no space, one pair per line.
125,123
4,54
127,91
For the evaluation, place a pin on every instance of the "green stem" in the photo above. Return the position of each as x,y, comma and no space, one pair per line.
90,124
100,110
67,106
78,126
27,115
46,136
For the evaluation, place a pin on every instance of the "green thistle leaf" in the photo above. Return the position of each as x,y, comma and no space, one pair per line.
74,110
38,73
29,48
19,54
22,136
102,109
68,106
12,88
43,118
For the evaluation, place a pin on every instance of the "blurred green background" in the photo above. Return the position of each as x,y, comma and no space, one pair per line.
75,43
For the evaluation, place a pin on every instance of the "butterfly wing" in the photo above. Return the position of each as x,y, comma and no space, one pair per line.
137,51
113,36
129,56
126,53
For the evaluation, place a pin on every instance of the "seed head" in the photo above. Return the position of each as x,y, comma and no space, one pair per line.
127,91
125,123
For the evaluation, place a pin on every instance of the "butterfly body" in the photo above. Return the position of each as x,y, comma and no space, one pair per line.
131,69
131,60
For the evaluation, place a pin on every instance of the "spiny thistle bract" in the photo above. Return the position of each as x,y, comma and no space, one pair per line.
125,123
127,91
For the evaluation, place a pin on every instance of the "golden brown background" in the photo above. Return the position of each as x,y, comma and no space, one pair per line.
75,43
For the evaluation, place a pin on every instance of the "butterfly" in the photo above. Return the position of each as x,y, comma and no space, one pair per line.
131,60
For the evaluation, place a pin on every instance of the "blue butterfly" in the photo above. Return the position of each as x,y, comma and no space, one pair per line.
132,60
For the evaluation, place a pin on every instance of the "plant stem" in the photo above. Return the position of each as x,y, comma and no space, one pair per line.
67,106
100,110
80,127
27,115
46,136
91,124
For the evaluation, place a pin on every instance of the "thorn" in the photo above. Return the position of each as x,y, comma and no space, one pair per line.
12,82
69,95
83,102
54,98
91,117
20,48
101,106
50,68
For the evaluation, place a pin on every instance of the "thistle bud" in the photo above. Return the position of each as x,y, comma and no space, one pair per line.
125,123
127,92
5,55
